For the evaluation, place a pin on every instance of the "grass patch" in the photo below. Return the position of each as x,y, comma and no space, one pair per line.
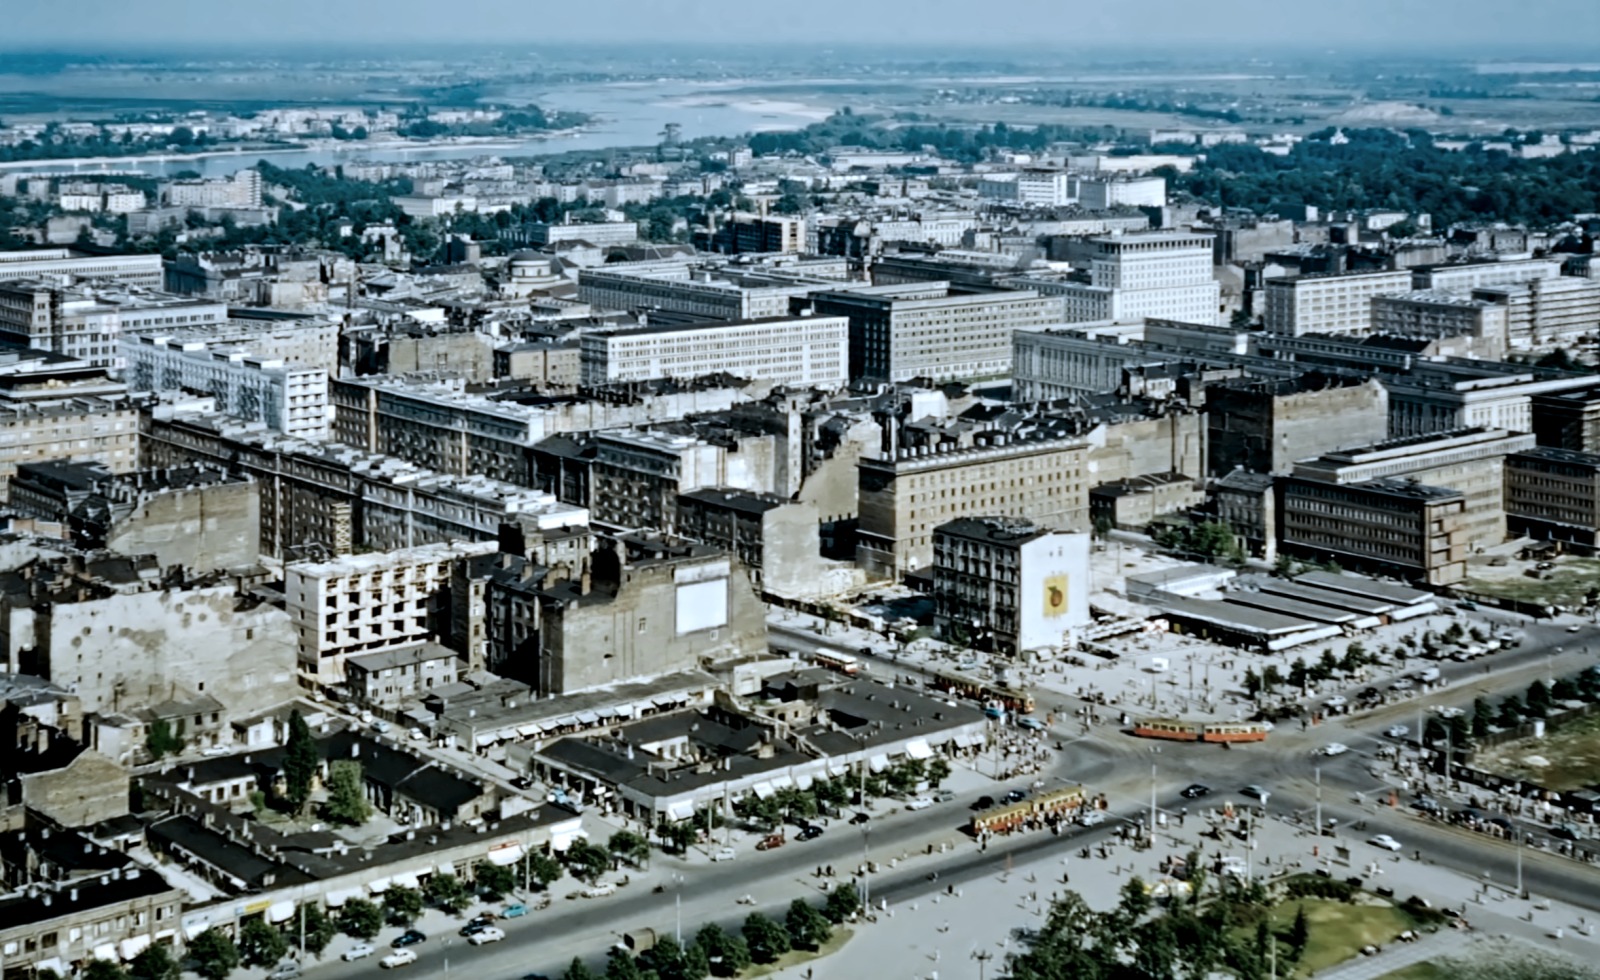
1568,585
1418,971
1572,751
796,956
1338,930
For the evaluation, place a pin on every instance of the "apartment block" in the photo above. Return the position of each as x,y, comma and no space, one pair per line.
1393,526
1038,474
1263,426
1567,419
798,351
1329,304
242,190
1051,364
1554,495
1008,585
101,430
602,233
1103,194
1545,314
705,293
285,396
742,234
1433,314
393,678
1470,461
1165,275
358,605
898,333
1463,277
89,321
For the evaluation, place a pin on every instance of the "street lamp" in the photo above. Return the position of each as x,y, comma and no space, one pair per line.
677,903
983,956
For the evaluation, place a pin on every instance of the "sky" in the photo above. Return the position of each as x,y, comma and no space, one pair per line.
1313,24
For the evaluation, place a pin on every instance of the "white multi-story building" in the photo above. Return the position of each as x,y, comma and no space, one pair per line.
242,190
361,604
1333,304
1475,275
1165,275
1038,188
1009,585
131,270
1104,193
1543,314
678,288
801,351
1433,314
287,397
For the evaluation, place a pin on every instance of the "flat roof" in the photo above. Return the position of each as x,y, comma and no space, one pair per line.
1366,587
1236,617
1295,608
694,325
1325,597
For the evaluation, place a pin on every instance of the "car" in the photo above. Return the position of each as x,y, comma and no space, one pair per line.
1014,796
1574,628
1256,792
943,796
1468,606
1335,748
359,951
1450,711
809,832
1428,804
287,970
724,854
861,817
215,750
1337,701
515,911
488,934
770,841
1385,841
1194,791
522,782
1397,731
416,734
1031,724
1370,694
366,717
484,919
473,928
920,803
1566,831
400,957
1091,818
1500,822
380,727
408,938
983,803
1403,684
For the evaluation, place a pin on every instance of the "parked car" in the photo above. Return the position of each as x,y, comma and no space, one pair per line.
408,938
1194,791
943,796
920,803
1566,831
1385,841
515,911
1403,684
287,970
488,934
359,951
1091,818
604,889
809,832
724,854
400,957
769,842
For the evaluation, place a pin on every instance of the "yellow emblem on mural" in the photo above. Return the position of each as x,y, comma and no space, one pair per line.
1055,595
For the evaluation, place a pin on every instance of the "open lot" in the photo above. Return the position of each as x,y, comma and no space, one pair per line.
1570,757
1340,929
1568,585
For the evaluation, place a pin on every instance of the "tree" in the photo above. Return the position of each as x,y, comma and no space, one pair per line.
1482,713
1240,320
1252,682
628,846
679,835
1298,674
1299,932
1271,676
98,969
449,893
620,965
667,960
300,762
402,905
360,918
347,794
577,971
726,954
1564,690
1538,699
587,861
492,880
1134,901
543,870
767,939
807,927
1327,666
160,741
841,904
1510,713
155,962
261,943
213,954
317,928
938,770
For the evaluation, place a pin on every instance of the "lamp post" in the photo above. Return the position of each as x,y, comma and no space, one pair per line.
677,904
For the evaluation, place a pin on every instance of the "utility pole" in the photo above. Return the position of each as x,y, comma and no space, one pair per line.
1518,832
1319,801
1152,804
302,934
866,886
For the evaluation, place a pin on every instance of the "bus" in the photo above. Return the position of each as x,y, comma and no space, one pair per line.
834,660
990,694
1035,812
1184,730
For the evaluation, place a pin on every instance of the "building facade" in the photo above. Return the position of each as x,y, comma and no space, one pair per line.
1554,495
287,397
799,351
1389,525
67,263
1008,585
1329,304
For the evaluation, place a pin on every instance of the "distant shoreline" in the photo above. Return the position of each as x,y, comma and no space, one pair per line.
321,145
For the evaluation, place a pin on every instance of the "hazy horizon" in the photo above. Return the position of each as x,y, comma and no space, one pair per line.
1477,26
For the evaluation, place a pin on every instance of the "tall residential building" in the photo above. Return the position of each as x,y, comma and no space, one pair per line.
360,604
1009,585
1037,188
288,397
83,429
1337,304
1433,314
68,263
1038,474
927,330
1466,276
709,294
1163,274
1104,193
1554,495
1544,314
799,351
242,190
1389,525
742,234
89,322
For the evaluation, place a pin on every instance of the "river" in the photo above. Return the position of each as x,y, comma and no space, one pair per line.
624,114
